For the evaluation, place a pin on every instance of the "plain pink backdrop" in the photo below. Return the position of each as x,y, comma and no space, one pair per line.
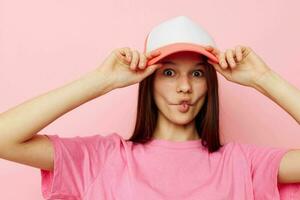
46,44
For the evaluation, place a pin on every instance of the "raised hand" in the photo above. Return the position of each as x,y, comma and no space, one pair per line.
125,66
240,65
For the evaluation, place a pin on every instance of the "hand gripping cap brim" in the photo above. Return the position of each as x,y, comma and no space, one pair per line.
178,34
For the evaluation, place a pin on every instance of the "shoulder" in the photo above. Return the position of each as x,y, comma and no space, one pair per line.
238,150
113,139
94,141
241,147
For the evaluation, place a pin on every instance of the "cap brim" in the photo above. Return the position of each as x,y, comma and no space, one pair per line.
177,47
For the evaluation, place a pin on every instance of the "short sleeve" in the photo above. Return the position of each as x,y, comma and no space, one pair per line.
77,161
264,165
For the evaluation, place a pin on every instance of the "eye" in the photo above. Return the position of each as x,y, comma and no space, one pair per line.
167,70
201,72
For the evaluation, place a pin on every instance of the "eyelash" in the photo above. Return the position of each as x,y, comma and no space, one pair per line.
173,70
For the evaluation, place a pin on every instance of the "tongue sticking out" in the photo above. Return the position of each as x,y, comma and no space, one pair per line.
184,107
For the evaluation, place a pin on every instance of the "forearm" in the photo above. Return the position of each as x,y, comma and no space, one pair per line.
281,92
23,121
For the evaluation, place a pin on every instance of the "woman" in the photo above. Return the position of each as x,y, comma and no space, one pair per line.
175,151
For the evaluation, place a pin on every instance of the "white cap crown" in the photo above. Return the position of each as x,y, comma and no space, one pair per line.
176,30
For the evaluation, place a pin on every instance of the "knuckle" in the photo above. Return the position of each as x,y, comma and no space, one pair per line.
142,58
142,61
135,53
124,49
142,55
229,52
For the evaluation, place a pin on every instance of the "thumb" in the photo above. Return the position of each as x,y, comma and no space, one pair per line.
151,68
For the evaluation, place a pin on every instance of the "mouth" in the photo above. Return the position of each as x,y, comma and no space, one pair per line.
184,103
183,107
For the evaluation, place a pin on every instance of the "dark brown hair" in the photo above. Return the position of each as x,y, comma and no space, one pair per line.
206,121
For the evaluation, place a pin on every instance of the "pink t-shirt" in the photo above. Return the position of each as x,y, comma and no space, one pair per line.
107,167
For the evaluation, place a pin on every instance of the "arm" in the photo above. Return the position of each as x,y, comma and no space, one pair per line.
281,92
287,97
22,122
19,141
243,66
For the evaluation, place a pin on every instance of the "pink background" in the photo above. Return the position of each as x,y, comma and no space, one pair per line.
46,44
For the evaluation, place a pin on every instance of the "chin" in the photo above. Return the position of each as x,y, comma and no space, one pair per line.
182,120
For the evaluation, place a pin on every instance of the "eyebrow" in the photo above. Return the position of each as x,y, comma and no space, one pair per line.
172,63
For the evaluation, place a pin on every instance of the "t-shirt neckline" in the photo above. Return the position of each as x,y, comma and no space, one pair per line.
176,144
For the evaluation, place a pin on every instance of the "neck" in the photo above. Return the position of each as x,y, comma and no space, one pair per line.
175,132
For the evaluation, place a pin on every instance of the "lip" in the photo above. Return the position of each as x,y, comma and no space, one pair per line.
183,109
187,104
180,104
185,101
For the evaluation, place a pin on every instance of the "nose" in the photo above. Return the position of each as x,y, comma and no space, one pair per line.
184,85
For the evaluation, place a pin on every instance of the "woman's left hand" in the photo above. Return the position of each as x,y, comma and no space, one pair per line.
240,65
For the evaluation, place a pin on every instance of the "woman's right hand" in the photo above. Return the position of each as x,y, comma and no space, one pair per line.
125,66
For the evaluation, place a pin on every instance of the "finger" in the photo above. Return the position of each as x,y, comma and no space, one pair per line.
216,52
212,49
209,48
245,50
135,59
222,60
142,61
120,53
219,69
125,52
128,54
239,54
152,54
229,58
152,68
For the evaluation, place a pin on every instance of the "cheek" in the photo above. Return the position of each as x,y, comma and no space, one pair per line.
161,94
202,87
162,86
